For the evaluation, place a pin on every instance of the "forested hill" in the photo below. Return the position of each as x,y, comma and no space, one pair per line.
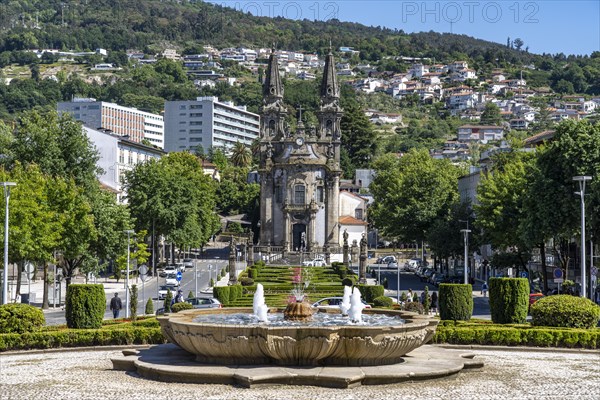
151,24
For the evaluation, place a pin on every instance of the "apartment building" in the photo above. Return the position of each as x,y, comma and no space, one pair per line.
122,121
117,155
206,122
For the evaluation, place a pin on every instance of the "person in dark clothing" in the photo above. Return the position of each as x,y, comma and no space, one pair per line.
178,298
434,299
116,305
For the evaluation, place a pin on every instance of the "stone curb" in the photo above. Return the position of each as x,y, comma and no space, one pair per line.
75,349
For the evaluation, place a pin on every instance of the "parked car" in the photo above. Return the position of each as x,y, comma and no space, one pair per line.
333,303
386,260
317,262
392,265
204,302
438,278
162,292
426,274
188,263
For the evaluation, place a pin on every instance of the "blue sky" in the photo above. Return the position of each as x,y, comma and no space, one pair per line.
550,26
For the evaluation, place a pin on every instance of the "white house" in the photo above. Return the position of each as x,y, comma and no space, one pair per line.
352,216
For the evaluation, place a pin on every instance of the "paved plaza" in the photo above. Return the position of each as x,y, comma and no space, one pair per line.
508,374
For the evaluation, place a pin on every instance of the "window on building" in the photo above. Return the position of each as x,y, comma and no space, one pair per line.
182,107
278,194
195,114
122,157
320,194
358,213
195,106
299,194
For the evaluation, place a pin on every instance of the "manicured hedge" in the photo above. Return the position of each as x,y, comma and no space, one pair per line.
456,301
80,337
20,318
221,293
181,306
503,335
509,300
382,301
235,292
85,305
370,292
565,311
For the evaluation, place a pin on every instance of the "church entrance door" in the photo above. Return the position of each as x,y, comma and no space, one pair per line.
299,237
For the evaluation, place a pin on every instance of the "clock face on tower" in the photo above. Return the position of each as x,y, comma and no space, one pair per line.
299,141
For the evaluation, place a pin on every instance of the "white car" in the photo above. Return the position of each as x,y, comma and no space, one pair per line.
317,262
334,303
162,292
171,279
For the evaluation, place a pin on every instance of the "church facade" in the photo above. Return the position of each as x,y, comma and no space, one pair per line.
300,170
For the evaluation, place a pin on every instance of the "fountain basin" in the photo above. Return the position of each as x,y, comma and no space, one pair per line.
350,345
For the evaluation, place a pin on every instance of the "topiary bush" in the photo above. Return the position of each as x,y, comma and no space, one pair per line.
181,306
246,281
370,292
190,295
509,300
84,306
167,302
456,301
426,299
221,293
252,273
133,293
235,292
382,301
349,281
149,307
565,311
413,306
20,318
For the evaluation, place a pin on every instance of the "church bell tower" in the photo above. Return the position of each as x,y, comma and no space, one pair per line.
300,170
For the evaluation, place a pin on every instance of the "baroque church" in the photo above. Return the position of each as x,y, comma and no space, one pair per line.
300,170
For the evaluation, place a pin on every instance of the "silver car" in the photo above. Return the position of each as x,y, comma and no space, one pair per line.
204,302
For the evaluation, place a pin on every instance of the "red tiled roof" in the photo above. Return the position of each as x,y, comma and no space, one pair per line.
348,220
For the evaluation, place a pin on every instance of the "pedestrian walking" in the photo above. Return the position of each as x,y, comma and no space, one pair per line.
116,305
409,296
484,289
178,298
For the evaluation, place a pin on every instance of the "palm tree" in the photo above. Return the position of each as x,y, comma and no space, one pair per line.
240,155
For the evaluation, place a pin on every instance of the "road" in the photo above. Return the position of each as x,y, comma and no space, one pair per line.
409,280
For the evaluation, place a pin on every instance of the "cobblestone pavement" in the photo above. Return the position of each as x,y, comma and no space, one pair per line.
507,375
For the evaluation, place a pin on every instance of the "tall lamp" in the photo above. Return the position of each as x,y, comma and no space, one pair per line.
582,180
6,186
466,233
128,232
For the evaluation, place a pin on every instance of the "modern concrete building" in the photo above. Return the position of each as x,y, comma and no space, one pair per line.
117,155
122,121
206,122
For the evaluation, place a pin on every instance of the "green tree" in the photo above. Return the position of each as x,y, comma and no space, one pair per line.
240,155
411,192
500,207
358,138
491,115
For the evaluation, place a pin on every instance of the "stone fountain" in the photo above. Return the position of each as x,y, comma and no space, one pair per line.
297,345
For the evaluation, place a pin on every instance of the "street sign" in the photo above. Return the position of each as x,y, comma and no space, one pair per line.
524,274
143,269
557,273
558,280
179,276
30,269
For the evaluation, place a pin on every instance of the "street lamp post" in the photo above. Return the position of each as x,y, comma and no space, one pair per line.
582,180
466,235
7,186
398,283
128,232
